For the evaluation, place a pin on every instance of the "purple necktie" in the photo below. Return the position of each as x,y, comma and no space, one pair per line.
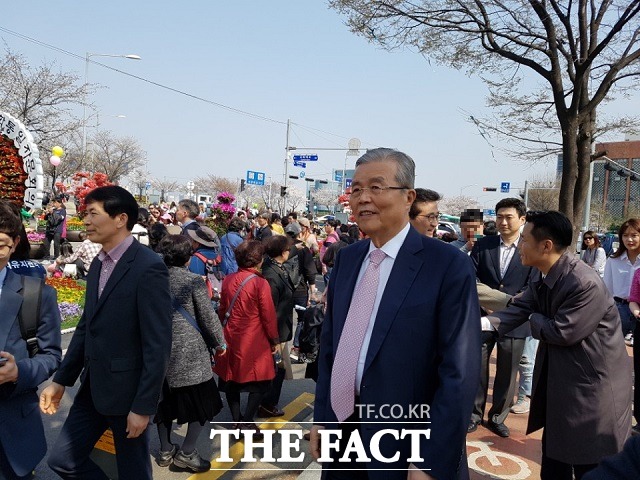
105,273
345,363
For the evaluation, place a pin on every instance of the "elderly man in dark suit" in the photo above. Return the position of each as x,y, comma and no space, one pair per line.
498,266
400,331
120,348
22,440
581,392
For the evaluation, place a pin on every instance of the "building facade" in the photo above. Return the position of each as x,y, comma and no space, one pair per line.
617,195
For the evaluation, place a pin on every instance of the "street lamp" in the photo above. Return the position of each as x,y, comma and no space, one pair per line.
86,84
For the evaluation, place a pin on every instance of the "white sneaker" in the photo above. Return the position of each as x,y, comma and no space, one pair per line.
520,407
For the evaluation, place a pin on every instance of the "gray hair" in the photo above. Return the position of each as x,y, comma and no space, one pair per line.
189,206
406,174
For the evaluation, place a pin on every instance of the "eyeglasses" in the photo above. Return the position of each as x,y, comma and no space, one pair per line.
375,190
432,217
588,238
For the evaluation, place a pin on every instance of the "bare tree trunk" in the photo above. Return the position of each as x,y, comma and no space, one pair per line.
569,170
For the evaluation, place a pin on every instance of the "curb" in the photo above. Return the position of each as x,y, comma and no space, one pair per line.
68,330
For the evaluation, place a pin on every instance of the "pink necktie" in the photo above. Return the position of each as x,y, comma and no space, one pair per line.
345,363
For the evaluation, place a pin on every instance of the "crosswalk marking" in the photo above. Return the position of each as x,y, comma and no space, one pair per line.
236,451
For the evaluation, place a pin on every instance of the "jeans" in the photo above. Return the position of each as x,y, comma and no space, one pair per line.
525,368
628,321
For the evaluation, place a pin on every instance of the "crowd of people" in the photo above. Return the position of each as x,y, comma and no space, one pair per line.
176,314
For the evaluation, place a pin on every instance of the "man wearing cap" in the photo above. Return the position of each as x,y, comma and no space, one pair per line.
206,243
293,224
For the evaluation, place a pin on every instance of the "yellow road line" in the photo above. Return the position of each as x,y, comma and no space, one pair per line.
236,451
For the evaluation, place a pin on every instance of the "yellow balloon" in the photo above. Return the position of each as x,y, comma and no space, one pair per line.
57,151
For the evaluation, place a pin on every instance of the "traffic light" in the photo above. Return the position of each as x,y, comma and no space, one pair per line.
283,191
489,189
242,182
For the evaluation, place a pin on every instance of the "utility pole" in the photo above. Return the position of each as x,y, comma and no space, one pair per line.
286,156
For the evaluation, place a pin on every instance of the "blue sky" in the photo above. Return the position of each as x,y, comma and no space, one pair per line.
281,59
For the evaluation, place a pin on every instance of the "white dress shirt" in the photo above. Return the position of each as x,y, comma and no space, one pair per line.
618,274
391,249
506,255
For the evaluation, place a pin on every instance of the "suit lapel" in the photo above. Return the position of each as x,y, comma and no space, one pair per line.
494,253
122,267
405,268
10,302
515,262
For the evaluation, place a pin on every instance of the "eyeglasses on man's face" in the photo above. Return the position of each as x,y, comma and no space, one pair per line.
432,217
374,190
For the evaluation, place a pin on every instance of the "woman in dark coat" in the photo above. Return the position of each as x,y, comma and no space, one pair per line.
251,333
189,394
277,250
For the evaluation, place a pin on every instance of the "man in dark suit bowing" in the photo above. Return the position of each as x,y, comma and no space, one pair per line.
400,345
120,348
498,266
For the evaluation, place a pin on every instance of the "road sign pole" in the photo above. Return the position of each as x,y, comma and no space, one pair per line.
286,157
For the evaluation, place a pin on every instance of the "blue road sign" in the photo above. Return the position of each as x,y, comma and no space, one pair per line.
298,163
504,187
305,158
147,185
347,183
489,212
255,178
302,174
337,177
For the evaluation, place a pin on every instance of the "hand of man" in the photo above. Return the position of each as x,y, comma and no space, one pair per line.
136,424
417,474
50,398
314,441
8,369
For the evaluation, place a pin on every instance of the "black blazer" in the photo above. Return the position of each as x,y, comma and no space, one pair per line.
282,294
486,260
123,340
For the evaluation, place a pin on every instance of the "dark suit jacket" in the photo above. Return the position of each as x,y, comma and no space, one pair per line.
123,340
486,260
282,294
425,349
21,431
581,391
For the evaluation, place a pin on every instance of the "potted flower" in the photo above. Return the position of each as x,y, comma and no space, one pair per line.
223,212
36,241
74,228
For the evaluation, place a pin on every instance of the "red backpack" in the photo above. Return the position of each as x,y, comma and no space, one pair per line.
213,274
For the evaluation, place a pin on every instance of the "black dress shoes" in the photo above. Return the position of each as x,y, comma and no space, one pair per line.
499,429
164,459
192,462
473,426
268,412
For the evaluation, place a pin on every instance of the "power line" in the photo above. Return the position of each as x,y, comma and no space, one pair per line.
146,80
176,90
